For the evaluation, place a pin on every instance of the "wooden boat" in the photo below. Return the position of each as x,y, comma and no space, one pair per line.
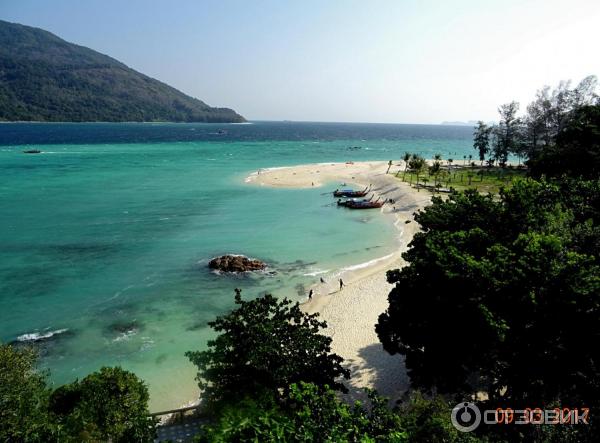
351,192
353,200
365,204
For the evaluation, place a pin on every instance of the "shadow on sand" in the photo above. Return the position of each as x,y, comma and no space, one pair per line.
376,368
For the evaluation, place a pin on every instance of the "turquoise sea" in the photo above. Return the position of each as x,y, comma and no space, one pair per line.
105,236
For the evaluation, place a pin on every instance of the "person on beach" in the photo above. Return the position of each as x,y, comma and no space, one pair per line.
322,281
341,284
310,293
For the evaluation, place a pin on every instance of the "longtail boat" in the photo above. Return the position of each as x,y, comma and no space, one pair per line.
365,204
351,192
353,200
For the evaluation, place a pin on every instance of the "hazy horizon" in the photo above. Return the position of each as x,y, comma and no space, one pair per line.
387,62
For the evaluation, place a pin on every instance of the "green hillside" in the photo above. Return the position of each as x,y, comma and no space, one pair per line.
45,78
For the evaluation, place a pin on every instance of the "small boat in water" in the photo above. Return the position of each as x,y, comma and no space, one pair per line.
351,193
32,151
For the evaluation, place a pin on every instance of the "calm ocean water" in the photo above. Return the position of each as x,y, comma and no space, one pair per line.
105,236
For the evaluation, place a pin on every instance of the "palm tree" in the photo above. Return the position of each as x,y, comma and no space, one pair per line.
470,175
470,158
406,157
464,160
389,166
437,157
435,169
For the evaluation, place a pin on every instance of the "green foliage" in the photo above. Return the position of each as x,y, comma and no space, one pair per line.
45,78
107,405
507,133
23,397
308,413
559,134
504,289
312,414
110,404
416,163
428,420
577,147
265,344
481,139
435,168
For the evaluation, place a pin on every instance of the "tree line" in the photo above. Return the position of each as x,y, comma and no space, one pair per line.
501,293
548,134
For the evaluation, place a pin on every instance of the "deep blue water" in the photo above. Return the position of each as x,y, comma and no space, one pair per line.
84,133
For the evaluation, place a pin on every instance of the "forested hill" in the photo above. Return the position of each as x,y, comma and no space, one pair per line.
45,78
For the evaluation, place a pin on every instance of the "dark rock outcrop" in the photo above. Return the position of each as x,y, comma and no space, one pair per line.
236,263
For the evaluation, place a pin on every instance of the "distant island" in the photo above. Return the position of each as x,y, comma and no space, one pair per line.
44,78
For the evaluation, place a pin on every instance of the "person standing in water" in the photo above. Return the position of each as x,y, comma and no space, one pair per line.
341,284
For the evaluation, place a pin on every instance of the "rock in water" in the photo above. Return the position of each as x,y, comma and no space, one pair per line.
236,263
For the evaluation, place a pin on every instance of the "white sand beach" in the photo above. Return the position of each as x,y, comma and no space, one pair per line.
351,313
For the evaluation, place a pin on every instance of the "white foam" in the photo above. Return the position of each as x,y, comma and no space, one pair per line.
367,263
276,168
36,336
126,335
318,272
147,343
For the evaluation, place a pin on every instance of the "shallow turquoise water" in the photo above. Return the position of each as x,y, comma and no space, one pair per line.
110,240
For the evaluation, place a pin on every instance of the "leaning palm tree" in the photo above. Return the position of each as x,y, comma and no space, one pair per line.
406,157
389,166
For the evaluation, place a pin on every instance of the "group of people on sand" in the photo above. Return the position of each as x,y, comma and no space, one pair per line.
311,292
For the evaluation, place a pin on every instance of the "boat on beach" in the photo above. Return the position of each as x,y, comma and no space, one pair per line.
351,192
353,200
365,204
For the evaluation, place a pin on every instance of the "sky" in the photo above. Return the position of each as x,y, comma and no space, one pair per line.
397,61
